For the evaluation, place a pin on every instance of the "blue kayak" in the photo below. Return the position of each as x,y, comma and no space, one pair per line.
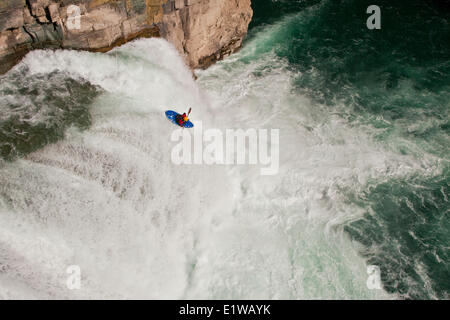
171,115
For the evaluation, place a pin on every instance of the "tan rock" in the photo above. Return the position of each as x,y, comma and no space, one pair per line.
27,18
4,41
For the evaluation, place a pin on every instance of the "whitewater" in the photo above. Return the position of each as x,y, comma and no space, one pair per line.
109,199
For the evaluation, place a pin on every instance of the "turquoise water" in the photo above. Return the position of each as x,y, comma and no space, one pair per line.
395,83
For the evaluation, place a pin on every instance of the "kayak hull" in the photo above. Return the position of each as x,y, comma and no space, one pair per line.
171,115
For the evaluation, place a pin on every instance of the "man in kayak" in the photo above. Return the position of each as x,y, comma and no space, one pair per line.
182,119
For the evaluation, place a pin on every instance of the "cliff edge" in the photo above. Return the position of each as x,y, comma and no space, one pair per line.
203,31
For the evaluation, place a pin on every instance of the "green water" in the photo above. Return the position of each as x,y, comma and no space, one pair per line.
395,83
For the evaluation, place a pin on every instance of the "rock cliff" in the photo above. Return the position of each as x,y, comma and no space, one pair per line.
203,31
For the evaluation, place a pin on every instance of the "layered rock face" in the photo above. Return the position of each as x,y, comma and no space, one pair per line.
206,30
203,31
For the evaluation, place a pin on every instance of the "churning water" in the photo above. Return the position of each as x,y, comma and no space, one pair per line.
87,178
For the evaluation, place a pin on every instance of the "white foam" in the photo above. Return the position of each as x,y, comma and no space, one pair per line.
109,199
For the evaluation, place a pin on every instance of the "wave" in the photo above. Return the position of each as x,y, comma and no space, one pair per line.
108,198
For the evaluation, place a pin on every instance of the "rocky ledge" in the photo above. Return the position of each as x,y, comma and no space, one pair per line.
203,31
